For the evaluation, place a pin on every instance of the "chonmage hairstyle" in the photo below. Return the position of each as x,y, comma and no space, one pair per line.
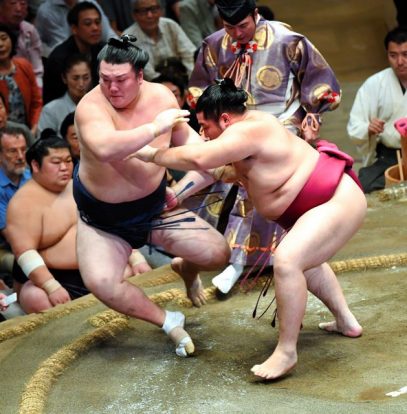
222,97
123,50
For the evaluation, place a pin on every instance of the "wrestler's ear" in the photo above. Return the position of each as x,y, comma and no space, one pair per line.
35,166
224,119
140,75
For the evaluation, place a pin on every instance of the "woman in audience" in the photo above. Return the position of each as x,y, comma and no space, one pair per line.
68,133
78,79
18,84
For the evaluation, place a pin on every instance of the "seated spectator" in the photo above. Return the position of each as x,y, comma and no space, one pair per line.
159,36
85,22
379,102
77,77
68,133
52,25
12,14
4,122
13,174
197,19
17,83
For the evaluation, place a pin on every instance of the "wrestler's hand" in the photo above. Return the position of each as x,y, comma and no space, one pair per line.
171,200
167,119
59,296
145,154
138,263
3,305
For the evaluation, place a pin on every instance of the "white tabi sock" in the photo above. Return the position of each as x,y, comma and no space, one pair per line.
174,328
225,280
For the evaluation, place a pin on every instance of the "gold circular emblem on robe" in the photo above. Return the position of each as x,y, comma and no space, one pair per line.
269,77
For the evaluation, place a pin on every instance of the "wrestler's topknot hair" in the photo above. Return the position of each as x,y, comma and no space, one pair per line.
123,50
40,148
222,97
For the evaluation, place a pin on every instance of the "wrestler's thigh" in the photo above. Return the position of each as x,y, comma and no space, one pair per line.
192,237
100,255
322,231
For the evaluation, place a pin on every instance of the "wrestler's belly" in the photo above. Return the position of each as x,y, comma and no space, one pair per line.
118,182
62,255
271,207
273,203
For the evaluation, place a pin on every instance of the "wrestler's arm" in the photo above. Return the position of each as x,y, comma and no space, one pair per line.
193,181
231,146
99,135
23,232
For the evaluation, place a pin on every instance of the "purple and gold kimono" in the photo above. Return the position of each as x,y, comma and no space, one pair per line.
285,75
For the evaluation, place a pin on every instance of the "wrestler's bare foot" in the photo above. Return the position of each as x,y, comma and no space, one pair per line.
193,283
345,324
278,364
352,331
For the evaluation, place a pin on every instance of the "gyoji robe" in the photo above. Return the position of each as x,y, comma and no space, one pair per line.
287,77
380,96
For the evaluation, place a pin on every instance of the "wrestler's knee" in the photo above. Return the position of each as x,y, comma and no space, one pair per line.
219,254
33,300
100,286
284,264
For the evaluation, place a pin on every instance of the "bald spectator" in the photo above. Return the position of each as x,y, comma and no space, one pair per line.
85,22
159,36
52,25
12,14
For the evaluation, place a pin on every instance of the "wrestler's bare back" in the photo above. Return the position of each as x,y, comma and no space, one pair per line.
118,180
279,167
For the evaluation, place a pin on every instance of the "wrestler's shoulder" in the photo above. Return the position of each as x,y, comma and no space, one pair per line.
30,194
93,98
94,95
158,95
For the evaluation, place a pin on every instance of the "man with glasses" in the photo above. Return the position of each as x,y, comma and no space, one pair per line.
13,174
159,36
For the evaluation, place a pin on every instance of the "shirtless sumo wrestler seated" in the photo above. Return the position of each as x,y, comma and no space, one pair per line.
313,193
